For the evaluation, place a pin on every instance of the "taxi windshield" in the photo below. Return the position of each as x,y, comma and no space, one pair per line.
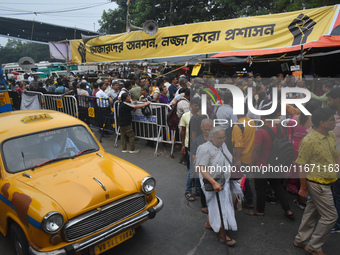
33,150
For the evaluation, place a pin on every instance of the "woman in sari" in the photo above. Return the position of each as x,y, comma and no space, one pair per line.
212,162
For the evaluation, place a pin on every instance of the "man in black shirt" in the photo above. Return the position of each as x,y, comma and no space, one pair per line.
125,120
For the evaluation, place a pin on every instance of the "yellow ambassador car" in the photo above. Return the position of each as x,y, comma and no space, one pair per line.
61,193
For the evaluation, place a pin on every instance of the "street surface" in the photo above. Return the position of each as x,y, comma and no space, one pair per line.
179,227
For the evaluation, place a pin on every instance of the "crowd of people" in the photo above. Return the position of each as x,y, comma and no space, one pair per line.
315,141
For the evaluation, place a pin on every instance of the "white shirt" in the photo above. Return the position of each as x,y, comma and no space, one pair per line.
101,102
124,90
225,112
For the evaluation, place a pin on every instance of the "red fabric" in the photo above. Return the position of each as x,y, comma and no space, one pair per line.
19,89
324,41
337,22
256,52
95,92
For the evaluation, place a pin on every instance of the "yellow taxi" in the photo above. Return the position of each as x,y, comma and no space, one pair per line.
61,193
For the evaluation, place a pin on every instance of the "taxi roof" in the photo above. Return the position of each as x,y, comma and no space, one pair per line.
12,123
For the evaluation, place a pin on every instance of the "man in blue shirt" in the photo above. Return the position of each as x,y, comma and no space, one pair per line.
173,87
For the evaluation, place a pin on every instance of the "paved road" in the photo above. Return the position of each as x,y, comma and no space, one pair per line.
179,227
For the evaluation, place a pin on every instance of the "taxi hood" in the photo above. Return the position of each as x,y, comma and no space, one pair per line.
83,183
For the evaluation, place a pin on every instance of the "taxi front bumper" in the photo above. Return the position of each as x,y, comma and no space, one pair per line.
104,235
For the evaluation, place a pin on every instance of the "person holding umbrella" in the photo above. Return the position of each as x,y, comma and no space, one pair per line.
212,163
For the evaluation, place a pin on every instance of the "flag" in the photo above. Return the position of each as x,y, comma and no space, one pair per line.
128,2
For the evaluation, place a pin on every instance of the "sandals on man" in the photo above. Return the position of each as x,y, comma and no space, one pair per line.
313,252
299,245
190,197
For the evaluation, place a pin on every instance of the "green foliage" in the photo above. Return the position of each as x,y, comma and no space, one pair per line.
16,49
177,12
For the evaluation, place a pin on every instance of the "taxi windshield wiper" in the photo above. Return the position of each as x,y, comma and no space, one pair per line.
62,158
51,160
83,151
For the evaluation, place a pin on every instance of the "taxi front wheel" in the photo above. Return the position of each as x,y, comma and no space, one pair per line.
19,240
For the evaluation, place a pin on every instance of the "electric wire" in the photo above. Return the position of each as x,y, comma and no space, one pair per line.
23,12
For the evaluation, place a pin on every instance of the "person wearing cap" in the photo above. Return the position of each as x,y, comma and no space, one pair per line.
87,87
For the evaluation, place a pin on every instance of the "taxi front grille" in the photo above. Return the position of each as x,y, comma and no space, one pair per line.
107,215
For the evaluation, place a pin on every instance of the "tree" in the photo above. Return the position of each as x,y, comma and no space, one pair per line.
166,13
178,12
16,49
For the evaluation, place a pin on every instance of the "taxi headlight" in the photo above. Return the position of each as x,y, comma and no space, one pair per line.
148,184
52,222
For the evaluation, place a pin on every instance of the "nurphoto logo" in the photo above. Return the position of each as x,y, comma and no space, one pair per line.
239,100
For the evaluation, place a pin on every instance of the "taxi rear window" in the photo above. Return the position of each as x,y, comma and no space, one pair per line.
26,152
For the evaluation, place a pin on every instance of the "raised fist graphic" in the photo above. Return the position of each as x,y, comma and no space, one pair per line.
301,27
82,52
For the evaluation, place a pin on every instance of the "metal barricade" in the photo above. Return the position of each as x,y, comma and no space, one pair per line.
152,128
66,104
96,112
40,97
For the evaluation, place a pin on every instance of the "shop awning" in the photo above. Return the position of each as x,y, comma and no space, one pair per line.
323,42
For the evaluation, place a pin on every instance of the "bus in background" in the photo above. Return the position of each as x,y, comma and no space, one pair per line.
43,69
47,68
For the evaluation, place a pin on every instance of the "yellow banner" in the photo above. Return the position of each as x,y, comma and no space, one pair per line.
259,32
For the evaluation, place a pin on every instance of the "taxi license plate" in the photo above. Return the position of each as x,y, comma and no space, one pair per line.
114,241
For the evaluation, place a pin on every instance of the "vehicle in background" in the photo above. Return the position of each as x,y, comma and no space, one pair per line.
88,68
43,69
9,67
51,68
59,74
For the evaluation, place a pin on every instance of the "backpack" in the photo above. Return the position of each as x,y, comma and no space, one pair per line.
228,135
282,152
172,119
146,110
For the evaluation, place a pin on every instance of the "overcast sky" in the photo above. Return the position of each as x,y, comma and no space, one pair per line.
69,13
